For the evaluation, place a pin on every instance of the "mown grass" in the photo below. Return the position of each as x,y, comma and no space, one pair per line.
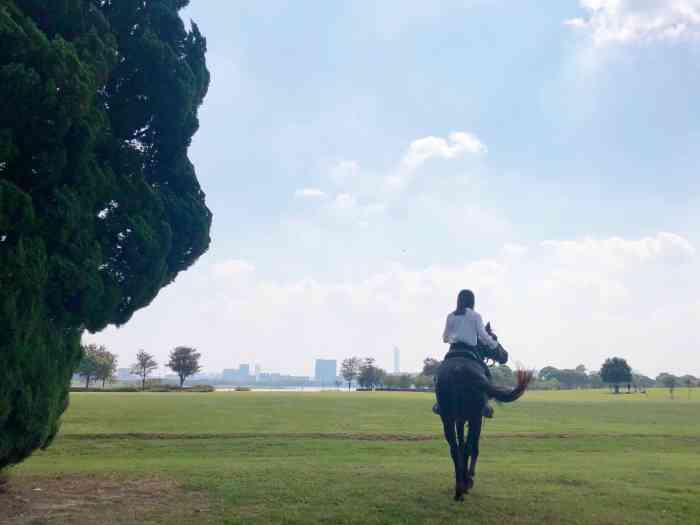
595,411
557,457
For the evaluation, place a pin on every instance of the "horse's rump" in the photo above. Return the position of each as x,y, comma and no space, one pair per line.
460,388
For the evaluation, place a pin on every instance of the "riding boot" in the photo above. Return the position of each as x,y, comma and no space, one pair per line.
488,409
436,409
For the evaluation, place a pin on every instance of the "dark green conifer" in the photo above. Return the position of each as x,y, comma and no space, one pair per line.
99,204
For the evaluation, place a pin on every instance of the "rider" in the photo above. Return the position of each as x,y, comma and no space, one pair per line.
464,329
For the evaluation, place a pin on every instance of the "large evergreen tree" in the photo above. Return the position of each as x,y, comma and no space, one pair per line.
99,204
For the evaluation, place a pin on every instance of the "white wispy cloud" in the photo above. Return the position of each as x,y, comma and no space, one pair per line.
310,193
457,144
631,21
345,171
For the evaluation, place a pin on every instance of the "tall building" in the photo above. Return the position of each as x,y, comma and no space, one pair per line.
239,375
325,371
397,360
230,374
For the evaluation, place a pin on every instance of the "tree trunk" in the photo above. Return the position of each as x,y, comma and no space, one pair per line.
103,384
617,389
349,383
143,383
182,381
87,382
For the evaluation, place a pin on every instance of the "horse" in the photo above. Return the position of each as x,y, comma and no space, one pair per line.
462,388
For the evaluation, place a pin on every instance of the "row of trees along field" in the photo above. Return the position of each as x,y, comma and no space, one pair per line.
99,364
614,373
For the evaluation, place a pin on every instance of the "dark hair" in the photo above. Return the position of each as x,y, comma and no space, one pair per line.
465,300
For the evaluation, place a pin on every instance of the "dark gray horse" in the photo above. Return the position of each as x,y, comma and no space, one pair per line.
462,390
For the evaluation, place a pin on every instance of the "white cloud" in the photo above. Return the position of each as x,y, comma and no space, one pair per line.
232,268
344,171
561,303
457,145
310,193
344,201
631,21
364,194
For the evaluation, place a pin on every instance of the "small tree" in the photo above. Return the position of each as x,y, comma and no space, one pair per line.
350,369
143,367
548,373
423,381
90,362
184,361
405,381
430,366
370,375
106,367
615,371
669,381
503,375
391,381
689,381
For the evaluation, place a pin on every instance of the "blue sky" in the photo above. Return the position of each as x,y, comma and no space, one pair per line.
347,215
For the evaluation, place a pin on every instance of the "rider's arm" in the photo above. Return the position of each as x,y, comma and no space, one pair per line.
445,333
482,334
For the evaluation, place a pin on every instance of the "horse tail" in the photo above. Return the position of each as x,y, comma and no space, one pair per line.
505,395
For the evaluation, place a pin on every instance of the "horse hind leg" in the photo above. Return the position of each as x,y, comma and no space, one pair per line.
457,458
463,446
472,449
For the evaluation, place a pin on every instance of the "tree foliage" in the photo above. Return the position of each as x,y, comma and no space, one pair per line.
370,376
99,204
669,381
97,364
143,367
184,361
616,371
430,366
350,369
106,367
89,363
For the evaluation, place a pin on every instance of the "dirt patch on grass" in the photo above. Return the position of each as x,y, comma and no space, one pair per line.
76,499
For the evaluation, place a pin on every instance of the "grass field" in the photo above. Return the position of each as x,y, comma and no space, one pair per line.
246,457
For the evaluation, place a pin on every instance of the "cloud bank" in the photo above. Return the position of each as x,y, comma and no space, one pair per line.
632,21
561,302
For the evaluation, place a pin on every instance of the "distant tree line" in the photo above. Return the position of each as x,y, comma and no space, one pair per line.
615,373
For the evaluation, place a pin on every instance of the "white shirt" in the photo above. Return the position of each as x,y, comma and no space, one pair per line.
467,328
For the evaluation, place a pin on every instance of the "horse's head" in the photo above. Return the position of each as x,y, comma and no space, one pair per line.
499,354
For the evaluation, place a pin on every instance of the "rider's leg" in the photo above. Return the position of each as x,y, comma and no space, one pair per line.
488,409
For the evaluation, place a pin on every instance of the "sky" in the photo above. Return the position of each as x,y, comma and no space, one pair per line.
364,161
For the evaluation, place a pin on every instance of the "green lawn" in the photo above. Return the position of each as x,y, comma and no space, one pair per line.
554,457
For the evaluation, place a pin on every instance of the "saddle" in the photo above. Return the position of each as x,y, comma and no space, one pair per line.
463,350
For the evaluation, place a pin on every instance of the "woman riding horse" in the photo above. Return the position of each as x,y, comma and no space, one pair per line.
463,387
464,330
